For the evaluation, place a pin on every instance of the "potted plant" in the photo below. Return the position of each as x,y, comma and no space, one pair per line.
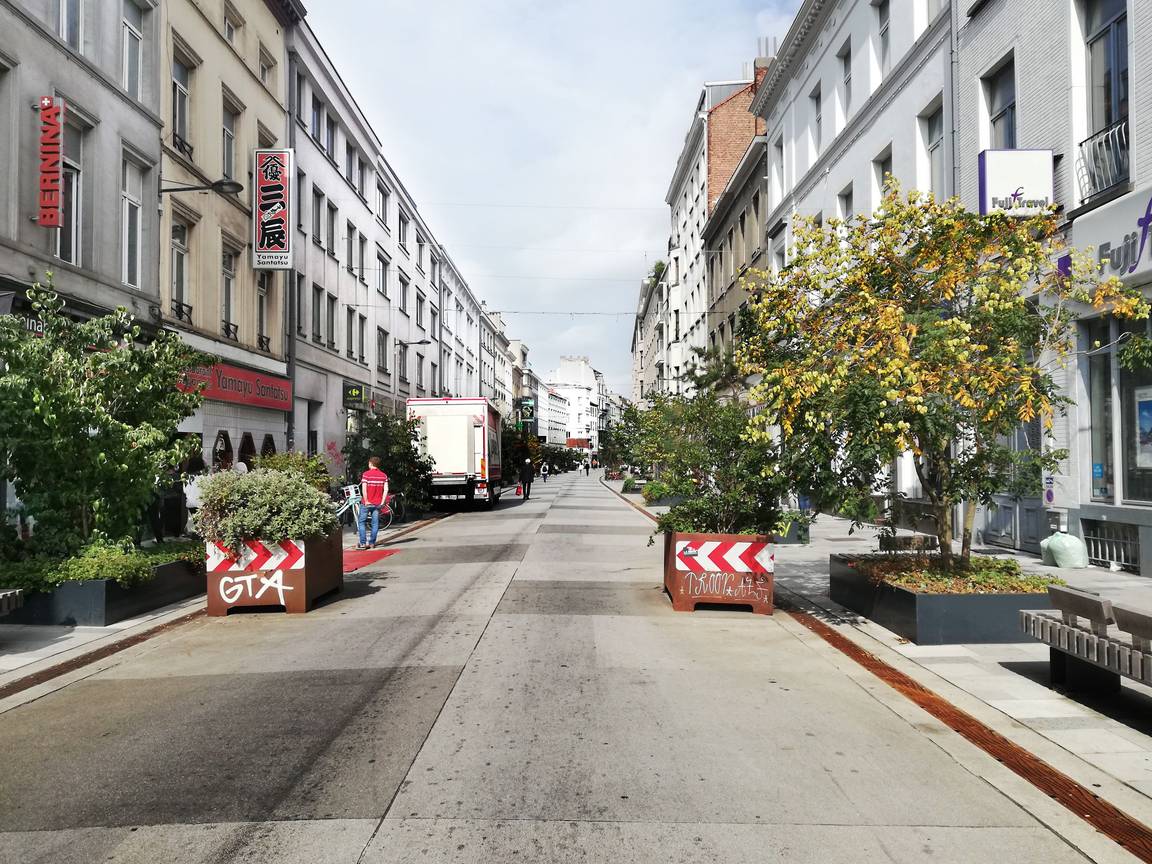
271,539
725,498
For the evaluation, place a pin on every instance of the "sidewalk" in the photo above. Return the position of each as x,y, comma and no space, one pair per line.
1005,686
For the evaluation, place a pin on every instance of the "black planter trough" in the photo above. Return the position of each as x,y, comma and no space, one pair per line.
100,602
931,619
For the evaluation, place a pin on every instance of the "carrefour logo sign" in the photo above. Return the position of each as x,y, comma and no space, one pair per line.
1016,182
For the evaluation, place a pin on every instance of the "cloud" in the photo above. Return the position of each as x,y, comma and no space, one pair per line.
580,106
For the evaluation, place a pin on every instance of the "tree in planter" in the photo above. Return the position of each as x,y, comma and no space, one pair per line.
924,329
264,505
396,440
516,445
88,417
728,484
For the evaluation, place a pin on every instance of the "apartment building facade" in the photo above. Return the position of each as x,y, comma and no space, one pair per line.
224,90
554,417
462,328
587,393
649,339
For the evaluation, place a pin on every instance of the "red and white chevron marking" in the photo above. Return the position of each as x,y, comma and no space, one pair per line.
256,556
720,556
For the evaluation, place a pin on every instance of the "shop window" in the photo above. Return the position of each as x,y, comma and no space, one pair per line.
247,449
268,446
222,450
1136,426
1100,406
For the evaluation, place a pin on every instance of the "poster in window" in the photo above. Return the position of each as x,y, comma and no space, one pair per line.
272,203
1143,427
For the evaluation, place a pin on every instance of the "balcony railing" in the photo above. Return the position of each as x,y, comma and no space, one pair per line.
182,311
230,330
265,342
1103,162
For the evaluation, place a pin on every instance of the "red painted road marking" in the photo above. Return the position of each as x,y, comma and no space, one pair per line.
354,559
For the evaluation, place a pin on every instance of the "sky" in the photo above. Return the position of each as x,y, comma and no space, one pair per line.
538,138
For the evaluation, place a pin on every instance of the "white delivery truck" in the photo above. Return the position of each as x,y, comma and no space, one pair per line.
462,437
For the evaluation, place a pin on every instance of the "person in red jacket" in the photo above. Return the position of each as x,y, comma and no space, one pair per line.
373,494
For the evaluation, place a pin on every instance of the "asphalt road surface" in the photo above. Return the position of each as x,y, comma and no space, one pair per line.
509,686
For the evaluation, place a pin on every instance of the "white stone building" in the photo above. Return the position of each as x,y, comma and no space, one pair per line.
583,386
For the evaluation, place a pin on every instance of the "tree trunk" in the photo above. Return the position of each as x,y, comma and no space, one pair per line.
944,532
969,521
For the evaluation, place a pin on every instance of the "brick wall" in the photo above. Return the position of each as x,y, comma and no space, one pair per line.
731,128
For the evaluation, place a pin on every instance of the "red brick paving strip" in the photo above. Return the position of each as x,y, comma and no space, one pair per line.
1133,835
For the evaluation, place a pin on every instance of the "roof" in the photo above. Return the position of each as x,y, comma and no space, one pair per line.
803,25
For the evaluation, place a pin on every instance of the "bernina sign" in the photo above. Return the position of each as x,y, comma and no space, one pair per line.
1119,235
271,234
1016,182
51,161
225,383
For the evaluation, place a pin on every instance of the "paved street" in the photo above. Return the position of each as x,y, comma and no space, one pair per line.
510,685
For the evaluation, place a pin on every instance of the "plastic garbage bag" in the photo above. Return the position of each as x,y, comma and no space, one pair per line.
1046,556
1065,551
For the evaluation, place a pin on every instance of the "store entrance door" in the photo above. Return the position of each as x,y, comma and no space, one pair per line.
1017,522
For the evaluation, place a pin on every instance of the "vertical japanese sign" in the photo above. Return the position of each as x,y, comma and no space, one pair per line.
272,206
51,162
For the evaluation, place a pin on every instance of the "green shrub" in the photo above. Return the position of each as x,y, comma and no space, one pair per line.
101,560
654,491
929,574
311,468
262,504
629,484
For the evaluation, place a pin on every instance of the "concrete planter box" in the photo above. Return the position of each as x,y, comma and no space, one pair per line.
931,619
100,602
298,573
715,585
796,535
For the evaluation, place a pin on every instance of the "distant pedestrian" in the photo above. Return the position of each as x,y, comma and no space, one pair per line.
544,472
373,494
526,474
196,472
587,467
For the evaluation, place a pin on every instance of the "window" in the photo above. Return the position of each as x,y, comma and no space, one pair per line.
349,246
420,244
817,119
361,327
403,293
434,320
228,142
402,359
317,214
1001,90
403,232
70,22
332,306
381,273
844,199
332,229
317,311
1107,28
933,9
350,331
420,371
934,139
433,379
846,75
131,192
299,97
227,292
317,119
362,251
349,161
71,197
263,289
231,25
778,169
362,177
180,84
883,169
382,203
1100,402
179,260
419,309
885,52
267,64
381,349
330,137
300,304
299,193
132,38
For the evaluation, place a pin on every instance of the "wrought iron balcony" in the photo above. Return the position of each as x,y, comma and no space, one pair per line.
182,145
230,330
182,311
265,342
1104,160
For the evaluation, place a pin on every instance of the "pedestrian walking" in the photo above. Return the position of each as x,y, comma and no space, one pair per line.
196,472
373,494
544,471
526,474
587,468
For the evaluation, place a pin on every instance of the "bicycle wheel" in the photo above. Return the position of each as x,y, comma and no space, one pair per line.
386,516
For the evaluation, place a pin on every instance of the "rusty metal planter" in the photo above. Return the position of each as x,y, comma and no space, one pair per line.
720,583
292,583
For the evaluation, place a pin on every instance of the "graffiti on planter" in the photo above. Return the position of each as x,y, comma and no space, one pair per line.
735,586
233,588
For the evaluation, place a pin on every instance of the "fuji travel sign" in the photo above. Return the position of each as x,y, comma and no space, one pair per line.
1119,235
1016,182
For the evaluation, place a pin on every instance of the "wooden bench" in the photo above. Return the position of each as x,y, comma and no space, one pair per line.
909,543
11,599
1092,642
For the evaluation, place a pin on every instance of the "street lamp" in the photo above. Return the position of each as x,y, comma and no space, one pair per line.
401,343
224,186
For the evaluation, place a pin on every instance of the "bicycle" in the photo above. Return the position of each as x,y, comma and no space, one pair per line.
393,508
